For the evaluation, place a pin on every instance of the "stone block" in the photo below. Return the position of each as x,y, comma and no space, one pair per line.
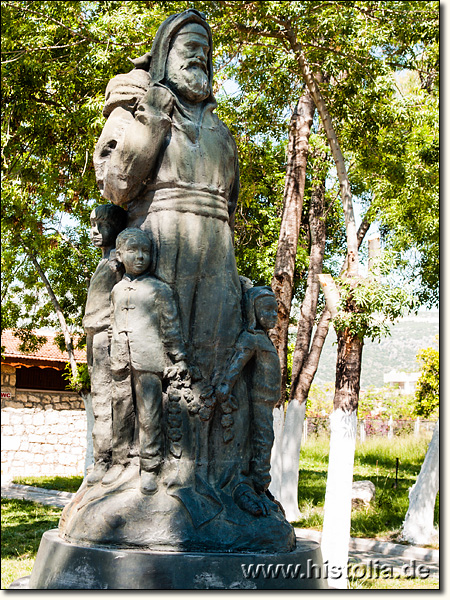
64,406
51,417
10,443
38,459
8,430
363,491
5,417
38,418
17,418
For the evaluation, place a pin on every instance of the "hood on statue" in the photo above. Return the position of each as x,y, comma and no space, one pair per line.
155,61
127,89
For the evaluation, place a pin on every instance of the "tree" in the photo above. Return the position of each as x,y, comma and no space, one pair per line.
276,20
59,57
427,388
56,61
283,278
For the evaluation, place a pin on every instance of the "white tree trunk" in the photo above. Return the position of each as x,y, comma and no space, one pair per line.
338,497
418,525
291,445
276,458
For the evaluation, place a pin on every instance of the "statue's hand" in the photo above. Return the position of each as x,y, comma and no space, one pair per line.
159,100
178,370
222,392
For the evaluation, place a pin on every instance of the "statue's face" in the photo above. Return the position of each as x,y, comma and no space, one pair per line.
187,63
135,256
102,231
266,311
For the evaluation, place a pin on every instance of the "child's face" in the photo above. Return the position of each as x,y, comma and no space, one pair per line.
102,231
135,256
266,311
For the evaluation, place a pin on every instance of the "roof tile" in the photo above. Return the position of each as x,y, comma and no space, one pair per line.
49,350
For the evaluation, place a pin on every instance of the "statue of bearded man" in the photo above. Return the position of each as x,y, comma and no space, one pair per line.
165,154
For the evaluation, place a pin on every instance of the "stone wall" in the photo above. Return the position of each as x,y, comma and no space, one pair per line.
8,382
43,433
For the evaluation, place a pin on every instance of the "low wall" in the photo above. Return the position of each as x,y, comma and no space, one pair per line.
43,434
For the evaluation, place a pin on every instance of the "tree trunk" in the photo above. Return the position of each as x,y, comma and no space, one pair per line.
338,496
308,310
295,413
346,195
300,386
283,279
418,527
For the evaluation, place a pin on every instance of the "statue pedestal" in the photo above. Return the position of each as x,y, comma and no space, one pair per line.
63,565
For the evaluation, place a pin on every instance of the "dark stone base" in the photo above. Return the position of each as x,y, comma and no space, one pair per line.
181,517
63,565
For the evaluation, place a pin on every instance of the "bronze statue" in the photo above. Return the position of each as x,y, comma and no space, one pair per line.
193,372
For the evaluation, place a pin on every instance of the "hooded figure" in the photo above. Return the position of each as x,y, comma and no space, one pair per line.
165,154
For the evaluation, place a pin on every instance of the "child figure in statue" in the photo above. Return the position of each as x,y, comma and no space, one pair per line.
146,332
107,221
255,352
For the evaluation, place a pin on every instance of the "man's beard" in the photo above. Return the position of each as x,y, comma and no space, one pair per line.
190,82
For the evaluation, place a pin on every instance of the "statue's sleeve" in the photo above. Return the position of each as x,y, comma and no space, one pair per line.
171,327
127,150
245,349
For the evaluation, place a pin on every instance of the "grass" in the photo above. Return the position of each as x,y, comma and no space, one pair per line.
375,460
63,484
402,583
23,524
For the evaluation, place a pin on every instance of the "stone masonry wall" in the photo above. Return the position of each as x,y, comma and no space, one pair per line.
43,434
8,382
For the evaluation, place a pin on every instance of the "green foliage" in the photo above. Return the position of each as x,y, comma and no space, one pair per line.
385,403
369,305
63,484
427,390
23,525
373,403
375,459
82,382
57,58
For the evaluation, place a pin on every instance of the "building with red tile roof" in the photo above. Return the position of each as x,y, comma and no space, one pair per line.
49,355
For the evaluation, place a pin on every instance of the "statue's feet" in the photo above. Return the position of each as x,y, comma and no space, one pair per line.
249,501
98,472
113,474
148,482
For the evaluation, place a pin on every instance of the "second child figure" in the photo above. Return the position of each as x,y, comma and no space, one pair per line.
257,355
146,338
